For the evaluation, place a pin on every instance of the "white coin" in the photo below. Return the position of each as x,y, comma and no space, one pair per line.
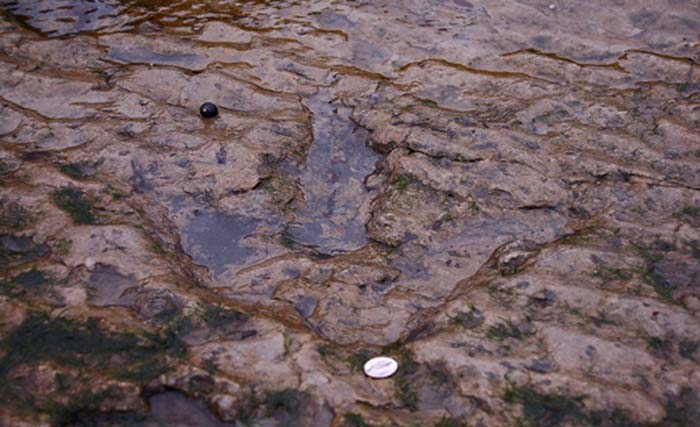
381,367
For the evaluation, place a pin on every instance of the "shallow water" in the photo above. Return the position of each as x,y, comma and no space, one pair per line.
333,180
502,195
219,240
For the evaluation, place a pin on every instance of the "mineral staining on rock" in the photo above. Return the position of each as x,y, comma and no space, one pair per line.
502,197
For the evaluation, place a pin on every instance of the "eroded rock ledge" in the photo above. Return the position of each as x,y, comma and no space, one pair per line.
504,197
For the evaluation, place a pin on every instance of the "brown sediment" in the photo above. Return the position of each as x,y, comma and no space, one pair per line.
504,197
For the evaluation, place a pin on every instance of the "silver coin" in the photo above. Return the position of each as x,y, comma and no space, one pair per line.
381,367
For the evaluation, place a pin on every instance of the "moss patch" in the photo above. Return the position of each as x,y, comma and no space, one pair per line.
13,216
693,248
402,182
404,380
358,359
544,410
83,348
683,410
326,350
80,412
6,168
469,319
217,317
354,420
652,254
202,385
439,374
17,250
248,408
659,347
451,422
287,240
688,349
289,401
30,279
614,418
688,214
74,203
611,274
210,367
504,330
661,286
555,410
281,192
70,343
79,170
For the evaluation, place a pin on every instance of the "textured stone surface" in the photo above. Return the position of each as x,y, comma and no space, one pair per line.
503,196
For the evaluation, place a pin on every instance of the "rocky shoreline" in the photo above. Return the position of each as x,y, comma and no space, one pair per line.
504,197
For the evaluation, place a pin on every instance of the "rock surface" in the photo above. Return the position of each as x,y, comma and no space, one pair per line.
503,196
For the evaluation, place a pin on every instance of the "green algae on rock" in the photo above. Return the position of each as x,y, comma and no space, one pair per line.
74,202
499,194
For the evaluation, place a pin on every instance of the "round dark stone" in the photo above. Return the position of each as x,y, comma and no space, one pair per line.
208,110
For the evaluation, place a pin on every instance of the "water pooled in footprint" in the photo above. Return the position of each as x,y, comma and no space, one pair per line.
332,218
533,193
108,287
223,241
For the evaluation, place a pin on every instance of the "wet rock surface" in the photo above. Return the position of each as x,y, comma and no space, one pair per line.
503,196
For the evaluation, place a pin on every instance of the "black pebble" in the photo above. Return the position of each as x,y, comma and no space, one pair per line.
208,110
